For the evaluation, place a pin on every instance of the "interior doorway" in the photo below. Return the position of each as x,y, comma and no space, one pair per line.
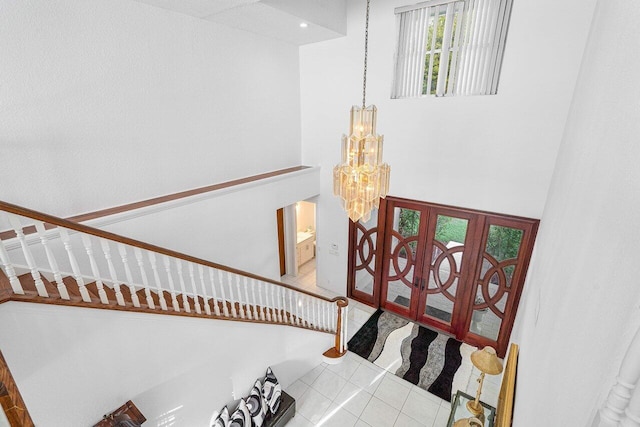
298,238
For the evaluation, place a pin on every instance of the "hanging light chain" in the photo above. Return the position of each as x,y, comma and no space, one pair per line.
366,47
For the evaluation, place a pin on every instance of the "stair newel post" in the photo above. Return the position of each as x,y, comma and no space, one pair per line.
145,280
33,269
156,278
127,271
106,250
341,326
16,286
262,310
185,301
207,309
66,241
88,247
225,306
172,288
216,309
196,299
62,288
240,308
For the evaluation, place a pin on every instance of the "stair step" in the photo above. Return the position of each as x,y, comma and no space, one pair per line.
29,285
93,291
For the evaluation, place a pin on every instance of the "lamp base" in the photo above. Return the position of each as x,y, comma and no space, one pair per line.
475,408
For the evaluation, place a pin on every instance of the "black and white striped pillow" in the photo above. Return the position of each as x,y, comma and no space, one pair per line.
223,419
272,391
241,417
257,404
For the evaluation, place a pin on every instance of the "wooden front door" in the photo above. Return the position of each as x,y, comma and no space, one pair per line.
457,270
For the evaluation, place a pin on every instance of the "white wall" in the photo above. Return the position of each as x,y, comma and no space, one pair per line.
73,365
582,299
235,227
106,102
494,153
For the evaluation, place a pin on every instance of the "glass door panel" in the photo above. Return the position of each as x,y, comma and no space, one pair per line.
445,268
401,263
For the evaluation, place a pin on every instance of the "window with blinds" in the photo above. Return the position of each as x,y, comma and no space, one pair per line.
448,48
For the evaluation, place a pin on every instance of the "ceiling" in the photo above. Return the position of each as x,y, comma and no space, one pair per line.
280,19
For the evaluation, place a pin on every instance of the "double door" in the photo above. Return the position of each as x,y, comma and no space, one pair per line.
455,270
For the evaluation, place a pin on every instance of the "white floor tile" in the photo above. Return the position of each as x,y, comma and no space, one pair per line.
299,421
443,416
337,417
379,414
392,392
297,389
312,375
406,421
419,407
368,376
312,405
329,384
352,398
361,423
345,368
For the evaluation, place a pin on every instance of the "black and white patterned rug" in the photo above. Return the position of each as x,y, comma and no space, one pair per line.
428,359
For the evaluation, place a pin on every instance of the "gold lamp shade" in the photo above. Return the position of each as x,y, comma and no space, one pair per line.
486,360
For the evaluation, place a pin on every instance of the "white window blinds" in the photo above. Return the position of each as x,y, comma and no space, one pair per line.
447,48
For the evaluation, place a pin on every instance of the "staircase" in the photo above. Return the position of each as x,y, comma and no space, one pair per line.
49,260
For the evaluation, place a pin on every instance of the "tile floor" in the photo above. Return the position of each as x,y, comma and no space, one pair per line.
358,393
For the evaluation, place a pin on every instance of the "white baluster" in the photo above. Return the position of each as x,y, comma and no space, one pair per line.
216,309
125,262
64,235
291,308
632,413
327,324
617,405
185,300
283,304
268,306
33,269
62,288
274,314
88,247
156,279
239,297
302,309
276,303
262,310
345,323
246,298
232,300
16,286
112,271
298,301
225,306
207,309
196,300
145,280
256,310
172,289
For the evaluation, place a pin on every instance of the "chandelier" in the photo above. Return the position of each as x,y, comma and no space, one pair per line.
361,179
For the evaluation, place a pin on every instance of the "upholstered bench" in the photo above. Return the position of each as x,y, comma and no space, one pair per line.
285,412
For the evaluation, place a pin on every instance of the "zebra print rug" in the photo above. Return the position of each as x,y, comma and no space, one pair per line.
428,359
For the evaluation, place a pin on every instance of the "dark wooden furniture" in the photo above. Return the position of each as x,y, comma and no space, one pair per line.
285,413
128,415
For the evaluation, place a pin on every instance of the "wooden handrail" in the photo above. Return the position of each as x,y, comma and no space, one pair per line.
50,219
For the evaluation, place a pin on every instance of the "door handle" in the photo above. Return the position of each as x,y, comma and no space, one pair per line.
423,282
416,282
